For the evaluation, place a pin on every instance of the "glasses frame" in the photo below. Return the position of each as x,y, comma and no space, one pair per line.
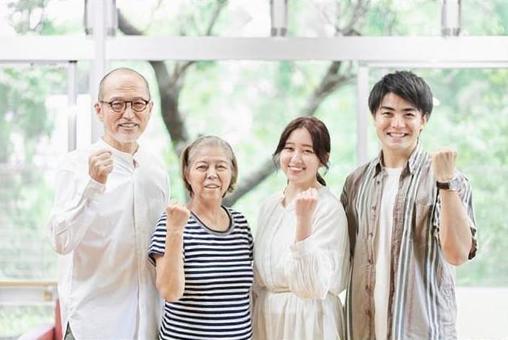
125,102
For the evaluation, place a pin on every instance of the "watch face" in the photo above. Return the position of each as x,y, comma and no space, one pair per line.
454,184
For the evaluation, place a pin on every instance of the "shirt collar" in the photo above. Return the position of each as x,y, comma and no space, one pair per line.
410,165
124,156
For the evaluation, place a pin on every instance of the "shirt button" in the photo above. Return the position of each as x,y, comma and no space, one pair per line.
371,234
371,261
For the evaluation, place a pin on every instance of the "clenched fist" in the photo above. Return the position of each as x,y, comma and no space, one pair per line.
443,164
177,217
100,165
305,204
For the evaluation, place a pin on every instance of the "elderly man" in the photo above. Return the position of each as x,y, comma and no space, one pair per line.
108,199
411,221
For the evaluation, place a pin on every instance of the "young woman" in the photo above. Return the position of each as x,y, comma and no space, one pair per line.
203,251
301,248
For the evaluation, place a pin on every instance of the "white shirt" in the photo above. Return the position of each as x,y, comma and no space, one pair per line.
383,256
106,284
297,284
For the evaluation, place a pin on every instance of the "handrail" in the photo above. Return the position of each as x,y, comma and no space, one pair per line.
27,283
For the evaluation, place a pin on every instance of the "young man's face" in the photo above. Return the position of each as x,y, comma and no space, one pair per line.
398,124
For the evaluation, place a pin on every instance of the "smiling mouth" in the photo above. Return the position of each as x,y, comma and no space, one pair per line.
128,125
397,134
296,168
212,186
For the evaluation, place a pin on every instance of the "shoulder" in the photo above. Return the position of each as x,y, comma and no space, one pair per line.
237,216
148,157
357,177
359,173
271,201
328,202
152,163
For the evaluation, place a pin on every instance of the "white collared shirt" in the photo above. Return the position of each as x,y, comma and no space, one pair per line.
106,284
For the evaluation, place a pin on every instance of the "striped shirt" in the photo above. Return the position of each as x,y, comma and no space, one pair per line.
421,301
218,279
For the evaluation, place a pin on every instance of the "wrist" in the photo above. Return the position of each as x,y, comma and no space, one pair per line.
450,185
174,232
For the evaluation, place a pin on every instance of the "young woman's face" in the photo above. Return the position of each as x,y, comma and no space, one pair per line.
298,159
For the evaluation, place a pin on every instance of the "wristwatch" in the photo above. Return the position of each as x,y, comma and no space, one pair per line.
452,184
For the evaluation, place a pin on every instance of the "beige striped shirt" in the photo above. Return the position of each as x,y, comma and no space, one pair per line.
421,304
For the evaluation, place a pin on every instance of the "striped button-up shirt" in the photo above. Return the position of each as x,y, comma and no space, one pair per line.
421,301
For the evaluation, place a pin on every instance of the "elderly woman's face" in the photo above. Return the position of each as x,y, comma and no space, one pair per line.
209,172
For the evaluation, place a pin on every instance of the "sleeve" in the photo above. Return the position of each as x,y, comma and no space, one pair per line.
320,263
75,208
158,240
466,196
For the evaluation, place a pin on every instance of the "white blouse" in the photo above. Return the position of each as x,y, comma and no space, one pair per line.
297,284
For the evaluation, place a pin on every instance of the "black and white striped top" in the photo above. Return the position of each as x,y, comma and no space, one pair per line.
218,278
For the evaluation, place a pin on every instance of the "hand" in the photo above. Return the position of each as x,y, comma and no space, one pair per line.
305,204
443,164
177,217
100,165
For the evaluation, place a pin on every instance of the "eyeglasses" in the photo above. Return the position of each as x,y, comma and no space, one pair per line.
137,105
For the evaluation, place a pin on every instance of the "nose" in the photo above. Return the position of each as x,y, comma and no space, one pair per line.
297,156
211,173
397,121
128,113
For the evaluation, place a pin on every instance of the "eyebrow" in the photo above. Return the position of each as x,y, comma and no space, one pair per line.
404,109
304,145
213,161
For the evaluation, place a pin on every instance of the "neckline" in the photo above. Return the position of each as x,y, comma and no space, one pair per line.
216,232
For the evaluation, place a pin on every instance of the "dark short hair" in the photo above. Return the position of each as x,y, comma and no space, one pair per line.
320,140
120,70
406,85
190,149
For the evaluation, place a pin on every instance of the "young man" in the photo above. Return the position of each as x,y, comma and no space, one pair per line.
411,220
108,199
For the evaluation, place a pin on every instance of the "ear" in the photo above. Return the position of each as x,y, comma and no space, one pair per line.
425,118
98,111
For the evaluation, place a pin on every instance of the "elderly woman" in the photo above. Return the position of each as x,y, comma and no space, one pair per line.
202,251
301,253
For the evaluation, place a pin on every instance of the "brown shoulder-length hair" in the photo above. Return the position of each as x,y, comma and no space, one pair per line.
320,140
190,150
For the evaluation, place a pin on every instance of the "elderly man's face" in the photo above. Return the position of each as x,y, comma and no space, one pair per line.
123,128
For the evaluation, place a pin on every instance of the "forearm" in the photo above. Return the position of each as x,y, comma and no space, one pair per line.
170,279
455,228
309,271
303,229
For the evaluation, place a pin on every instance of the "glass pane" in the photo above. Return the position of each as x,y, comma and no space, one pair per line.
33,136
41,17
197,18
